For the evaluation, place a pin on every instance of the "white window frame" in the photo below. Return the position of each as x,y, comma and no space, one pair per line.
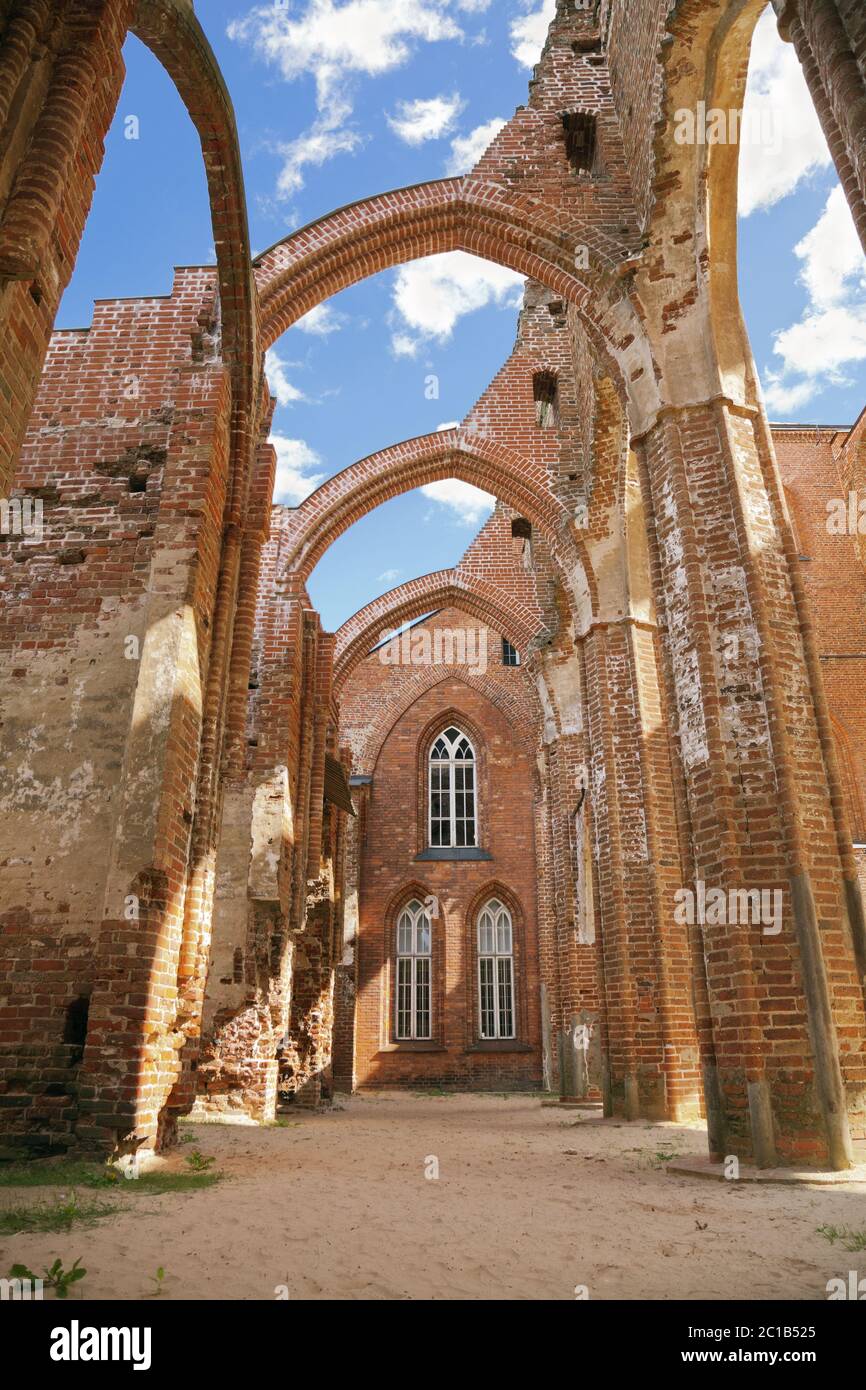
417,963
454,766
501,972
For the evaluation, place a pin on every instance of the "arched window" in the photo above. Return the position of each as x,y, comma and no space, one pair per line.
413,971
452,791
495,971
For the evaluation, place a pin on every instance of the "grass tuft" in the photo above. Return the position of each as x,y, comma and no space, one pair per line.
60,1215
69,1173
849,1239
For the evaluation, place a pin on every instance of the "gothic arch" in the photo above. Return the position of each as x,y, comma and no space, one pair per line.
469,214
459,453
442,589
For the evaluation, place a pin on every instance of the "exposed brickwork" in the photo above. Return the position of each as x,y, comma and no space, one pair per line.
390,875
189,911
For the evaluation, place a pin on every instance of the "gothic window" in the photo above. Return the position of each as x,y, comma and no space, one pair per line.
495,971
414,943
452,791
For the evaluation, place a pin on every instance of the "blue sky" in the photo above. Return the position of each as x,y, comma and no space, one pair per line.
398,91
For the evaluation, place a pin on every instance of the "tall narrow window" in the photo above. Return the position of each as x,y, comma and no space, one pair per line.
413,972
496,971
579,128
545,392
452,791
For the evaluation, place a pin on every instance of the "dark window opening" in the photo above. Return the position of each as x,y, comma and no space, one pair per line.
75,1022
521,540
138,482
510,654
544,389
579,128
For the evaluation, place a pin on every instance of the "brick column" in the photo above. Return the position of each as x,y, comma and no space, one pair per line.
783,990
652,1061
830,40
346,983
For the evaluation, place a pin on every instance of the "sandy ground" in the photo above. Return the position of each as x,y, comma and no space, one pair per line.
529,1203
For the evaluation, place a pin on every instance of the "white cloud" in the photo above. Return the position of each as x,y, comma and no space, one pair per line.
403,345
426,118
448,425
777,95
432,295
334,42
833,263
294,481
281,387
467,504
784,401
387,576
325,138
831,335
528,34
321,321
466,150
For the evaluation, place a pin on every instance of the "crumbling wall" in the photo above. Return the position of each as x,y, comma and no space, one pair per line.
105,632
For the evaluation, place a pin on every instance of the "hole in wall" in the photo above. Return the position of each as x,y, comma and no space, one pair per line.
579,128
75,1021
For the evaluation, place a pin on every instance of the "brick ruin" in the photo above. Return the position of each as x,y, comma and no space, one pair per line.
214,812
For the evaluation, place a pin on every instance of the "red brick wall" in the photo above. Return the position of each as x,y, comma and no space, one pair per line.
821,467
127,451
395,832
58,90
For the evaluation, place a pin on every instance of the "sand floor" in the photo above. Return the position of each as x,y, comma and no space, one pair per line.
529,1203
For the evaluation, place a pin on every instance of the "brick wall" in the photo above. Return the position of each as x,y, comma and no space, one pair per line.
390,874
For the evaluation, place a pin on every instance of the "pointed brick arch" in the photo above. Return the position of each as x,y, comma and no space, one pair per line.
443,589
459,453
469,214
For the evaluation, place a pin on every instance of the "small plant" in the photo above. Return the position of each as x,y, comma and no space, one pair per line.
198,1163
157,1281
56,1278
849,1239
